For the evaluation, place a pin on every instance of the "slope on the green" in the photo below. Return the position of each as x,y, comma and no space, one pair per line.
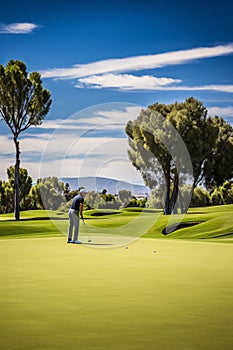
56,296
208,223
33,223
212,223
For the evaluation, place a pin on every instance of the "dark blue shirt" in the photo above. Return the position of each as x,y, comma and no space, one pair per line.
76,202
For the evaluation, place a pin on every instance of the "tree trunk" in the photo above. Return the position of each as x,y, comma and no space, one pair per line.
167,210
171,198
173,202
17,165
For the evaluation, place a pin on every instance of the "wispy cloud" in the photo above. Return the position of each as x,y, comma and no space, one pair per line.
125,82
138,62
17,28
221,88
100,117
221,111
80,145
74,156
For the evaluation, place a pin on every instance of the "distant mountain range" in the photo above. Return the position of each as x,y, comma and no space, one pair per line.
91,183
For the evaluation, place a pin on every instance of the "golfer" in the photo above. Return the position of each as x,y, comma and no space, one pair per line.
75,213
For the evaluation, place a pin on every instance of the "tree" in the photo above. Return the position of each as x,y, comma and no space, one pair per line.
222,194
219,167
155,149
200,197
125,196
7,190
92,199
49,192
156,198
25,182
67,192
6,197
108,201
23,103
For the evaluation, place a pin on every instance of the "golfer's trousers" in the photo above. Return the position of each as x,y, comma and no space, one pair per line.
74,224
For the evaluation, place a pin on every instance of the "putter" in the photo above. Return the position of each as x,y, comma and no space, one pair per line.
89,240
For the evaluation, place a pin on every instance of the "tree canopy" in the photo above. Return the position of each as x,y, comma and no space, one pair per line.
159,153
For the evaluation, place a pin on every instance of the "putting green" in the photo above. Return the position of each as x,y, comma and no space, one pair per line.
59,296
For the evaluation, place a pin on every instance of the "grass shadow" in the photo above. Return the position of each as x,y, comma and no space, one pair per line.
45,218
175,227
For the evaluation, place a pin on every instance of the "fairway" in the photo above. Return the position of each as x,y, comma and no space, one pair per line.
59,296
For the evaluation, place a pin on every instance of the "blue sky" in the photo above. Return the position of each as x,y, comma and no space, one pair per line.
104,61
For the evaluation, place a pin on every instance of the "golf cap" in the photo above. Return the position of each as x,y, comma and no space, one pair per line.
83,191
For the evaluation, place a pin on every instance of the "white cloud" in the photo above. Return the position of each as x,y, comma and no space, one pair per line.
221,111
49,124
125,82
67,155
221,88
77,157
80,125
58,144
116,114
63,154
138,62
17,28
105,157
6,145
110,116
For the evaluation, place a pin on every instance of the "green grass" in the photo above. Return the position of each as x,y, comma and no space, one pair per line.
59,296
56,296
210,223
33,223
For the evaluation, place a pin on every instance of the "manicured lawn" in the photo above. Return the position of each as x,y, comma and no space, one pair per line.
211,223
123,226
33,223
59,296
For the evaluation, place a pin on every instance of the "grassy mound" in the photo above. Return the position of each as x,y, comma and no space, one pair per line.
199,223
33,223
212,223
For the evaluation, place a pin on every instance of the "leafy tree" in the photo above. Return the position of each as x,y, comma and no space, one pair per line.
222,194
109,204
142,202
92,199
216,197
219,167
133,202
227,192
7,190
6,197
125,196
25,183
108,201
200,197
153,145
35,195
49,193
156,198
67,192
23,103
